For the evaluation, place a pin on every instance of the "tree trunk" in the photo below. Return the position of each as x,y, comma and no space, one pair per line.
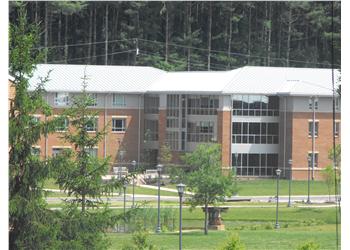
66,39
189,36
249,32
206,220
59,32
115,34
36,12
90,36
269,36
166,32
229,37
95,35
46,23
106,36
289,35
209,34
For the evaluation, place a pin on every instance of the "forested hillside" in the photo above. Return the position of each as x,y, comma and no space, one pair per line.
187,35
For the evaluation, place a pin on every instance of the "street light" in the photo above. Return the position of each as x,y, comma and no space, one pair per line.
124,190
308,179
278,173
133,182
180,189
159,169
290,162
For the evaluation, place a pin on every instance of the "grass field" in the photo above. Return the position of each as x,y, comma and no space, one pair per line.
255,228
268,187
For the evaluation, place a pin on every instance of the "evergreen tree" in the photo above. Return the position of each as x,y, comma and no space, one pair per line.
79,172
31,224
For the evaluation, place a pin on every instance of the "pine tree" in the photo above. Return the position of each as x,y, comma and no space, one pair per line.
79,172
31,224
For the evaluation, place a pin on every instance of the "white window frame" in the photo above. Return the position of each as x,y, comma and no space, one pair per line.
66,121
93,148
316,126
123,128
96,125
61,99
317,156
337,103
118,102
34,148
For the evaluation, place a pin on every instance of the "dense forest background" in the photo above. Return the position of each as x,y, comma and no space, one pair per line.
189,35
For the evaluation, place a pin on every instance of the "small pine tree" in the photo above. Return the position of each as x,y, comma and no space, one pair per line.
79,173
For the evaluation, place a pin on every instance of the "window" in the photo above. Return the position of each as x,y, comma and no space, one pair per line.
311,127
202,131
337,129
61,99
151,130
313,100
255,132
255,164
56,151
310,160
91,124
62,124
92,151
118,100
93,99
255,105
172,139
118,124
202,105
35,151
151,104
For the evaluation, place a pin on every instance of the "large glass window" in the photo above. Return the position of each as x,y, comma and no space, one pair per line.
93,97
62,124
151,130
92,152
255,132
255,105
202,131
202,105
151,104
255,164
172,139
310,160
337,129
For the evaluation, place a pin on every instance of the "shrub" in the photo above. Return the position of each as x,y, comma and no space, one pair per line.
233,243
310,245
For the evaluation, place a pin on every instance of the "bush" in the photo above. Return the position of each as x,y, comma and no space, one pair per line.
233,243
140,242
310,245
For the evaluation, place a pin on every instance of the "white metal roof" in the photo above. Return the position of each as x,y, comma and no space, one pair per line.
193,82
100,78
138,79
276,80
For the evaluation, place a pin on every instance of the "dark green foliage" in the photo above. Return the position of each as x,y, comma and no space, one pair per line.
139,242
31,224
175,35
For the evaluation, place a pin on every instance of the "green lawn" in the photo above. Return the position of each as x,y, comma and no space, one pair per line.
255,227
283,238
268,187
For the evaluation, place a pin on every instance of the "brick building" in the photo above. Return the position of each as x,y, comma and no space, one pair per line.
262,116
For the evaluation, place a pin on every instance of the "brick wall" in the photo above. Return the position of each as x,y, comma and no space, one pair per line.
302,142
224,134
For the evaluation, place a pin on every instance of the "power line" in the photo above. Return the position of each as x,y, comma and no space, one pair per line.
82,44
79,58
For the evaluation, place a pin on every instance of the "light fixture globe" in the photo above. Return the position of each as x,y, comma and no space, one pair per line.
133,163
159,168
278,172
181,188
290,162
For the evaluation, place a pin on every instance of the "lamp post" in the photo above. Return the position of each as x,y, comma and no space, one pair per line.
159,169
180,189
290,162
278,173
124,190
308,180
133,183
